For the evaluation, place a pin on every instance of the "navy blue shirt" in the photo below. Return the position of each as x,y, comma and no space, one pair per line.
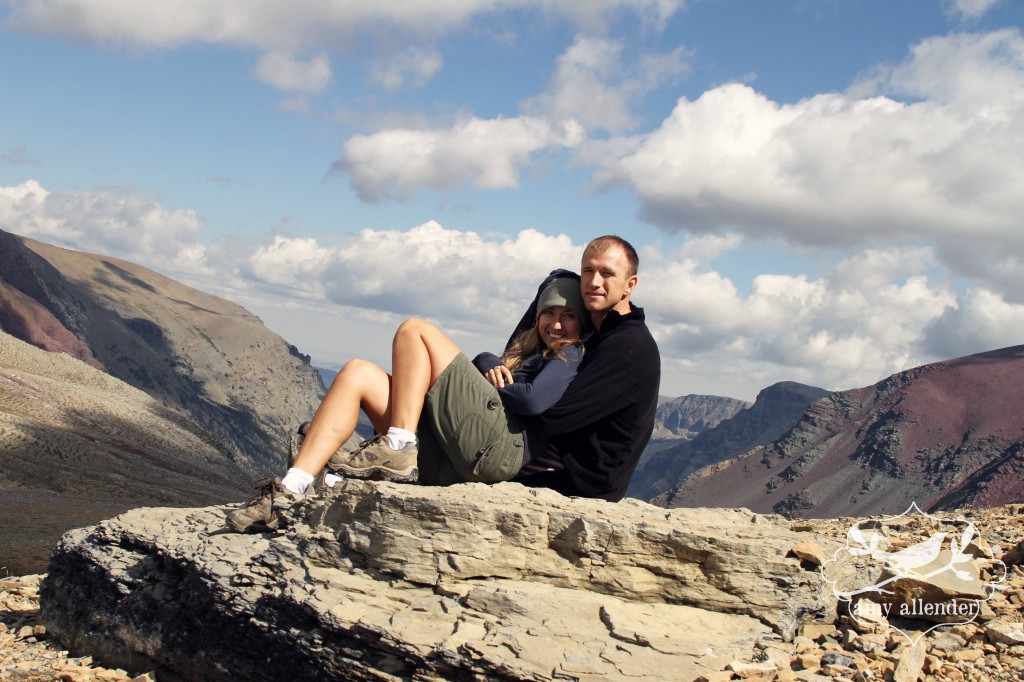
537,385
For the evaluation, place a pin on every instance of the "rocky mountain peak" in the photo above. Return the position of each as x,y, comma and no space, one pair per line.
120,388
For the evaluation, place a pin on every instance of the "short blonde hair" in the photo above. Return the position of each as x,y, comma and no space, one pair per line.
610,241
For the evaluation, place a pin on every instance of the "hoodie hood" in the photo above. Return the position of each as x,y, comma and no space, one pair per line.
530,317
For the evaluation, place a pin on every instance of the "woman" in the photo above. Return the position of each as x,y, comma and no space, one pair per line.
473,419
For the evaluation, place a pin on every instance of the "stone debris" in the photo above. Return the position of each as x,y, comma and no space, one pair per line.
989,648
28,654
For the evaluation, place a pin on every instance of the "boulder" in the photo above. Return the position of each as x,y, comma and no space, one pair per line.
375,581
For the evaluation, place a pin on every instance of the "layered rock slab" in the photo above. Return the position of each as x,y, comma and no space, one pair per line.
380,581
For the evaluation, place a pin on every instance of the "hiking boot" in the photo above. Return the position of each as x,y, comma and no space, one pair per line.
259,514
327,478
295,445
375,461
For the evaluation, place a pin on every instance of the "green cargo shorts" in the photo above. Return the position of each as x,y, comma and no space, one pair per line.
465,433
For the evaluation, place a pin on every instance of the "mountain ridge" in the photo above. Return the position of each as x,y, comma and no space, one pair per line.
932,435
775,410
687,416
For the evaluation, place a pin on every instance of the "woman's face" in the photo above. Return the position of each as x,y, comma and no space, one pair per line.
557,323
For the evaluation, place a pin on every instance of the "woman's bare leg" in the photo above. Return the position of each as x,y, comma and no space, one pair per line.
419,354
359,385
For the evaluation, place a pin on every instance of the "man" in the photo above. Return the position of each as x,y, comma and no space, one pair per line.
604,420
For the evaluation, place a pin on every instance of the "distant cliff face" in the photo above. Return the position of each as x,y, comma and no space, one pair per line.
685,417
946,435
775,411
202,355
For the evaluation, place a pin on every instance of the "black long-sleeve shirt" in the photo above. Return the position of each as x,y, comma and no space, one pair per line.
600,426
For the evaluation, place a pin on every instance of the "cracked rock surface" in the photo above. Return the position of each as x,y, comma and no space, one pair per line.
378,581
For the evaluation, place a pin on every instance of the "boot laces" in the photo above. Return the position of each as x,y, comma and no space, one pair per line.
268,487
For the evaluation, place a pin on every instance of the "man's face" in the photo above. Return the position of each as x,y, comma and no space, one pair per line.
605,282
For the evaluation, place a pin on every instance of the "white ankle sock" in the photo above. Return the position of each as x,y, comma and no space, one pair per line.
397,439
297,480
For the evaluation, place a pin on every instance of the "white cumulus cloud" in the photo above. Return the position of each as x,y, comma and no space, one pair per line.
294,24
399,38
286,72
591,89
459,277
872,313
924,152
295,264
463,280
977,320
112,221
489,153
593,85
855,324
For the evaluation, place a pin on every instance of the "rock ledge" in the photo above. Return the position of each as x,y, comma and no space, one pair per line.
377,581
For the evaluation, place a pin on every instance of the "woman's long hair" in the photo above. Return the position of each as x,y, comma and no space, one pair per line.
528,343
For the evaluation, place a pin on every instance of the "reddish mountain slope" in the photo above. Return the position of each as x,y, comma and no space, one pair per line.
21,312
945,435
207,357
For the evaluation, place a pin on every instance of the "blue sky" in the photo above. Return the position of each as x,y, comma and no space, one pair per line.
823,191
